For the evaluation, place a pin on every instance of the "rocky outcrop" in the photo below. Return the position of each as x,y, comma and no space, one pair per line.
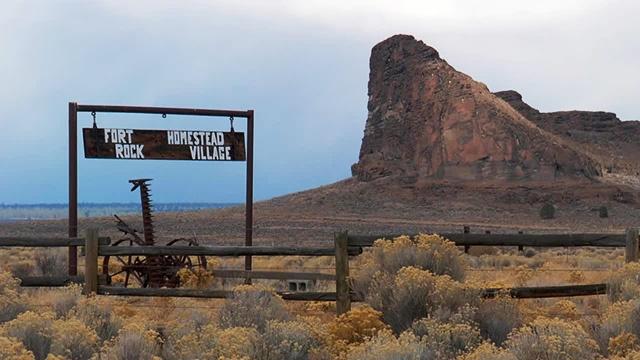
427,120
614,142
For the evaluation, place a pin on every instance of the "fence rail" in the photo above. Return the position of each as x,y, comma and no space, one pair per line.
47,241
539,292
345,245
220,251
529,240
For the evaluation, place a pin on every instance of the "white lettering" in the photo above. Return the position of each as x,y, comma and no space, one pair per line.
119,151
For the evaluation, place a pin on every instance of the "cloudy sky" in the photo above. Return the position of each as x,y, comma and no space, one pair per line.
302,65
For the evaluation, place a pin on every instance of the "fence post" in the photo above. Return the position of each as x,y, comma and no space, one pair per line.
466,230
91,262
343,297
520,247
631,250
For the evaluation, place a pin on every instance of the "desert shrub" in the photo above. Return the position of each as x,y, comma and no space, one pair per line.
50,262
12,302
428,252
197,278
522,275
22,268
386,346
63,301
73,340
97,316
212,343
12,349
497,317
619,318
564,309
624,284
354,327
547,211
198,319
603,212
623,345
412,294
287,340
530,252
552,339
252,306
133,342
576,277
447,340
35,331
488,351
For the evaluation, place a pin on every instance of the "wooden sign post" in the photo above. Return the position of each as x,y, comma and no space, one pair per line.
132,144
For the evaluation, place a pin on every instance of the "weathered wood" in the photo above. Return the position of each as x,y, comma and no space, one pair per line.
56,281
136,144
530,240
91,262
50,281
343,299
631,248
46,241
273,275
207,293
220,251
548,291
518,293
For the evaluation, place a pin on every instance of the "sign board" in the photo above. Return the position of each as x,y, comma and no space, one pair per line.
163,144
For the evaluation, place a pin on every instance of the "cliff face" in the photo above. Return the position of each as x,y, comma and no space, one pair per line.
613,141
427,120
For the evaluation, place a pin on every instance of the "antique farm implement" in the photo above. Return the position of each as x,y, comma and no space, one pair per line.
147,271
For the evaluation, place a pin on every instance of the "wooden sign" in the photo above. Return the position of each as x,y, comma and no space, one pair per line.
163,144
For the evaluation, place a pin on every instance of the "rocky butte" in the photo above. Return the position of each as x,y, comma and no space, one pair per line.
426,120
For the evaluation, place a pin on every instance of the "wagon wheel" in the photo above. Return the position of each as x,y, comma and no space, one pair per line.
187,261
152,271
130,266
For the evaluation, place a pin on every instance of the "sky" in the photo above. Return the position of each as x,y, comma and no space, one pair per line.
301,65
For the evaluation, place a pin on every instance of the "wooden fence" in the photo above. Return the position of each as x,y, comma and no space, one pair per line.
345,245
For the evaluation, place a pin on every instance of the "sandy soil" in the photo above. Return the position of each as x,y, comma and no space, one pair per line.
386,206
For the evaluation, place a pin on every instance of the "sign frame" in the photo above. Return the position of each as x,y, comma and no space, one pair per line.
75,108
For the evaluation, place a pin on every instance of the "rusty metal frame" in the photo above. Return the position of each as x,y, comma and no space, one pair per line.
75,108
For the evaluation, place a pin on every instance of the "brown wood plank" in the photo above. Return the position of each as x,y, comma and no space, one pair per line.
548,291
343,300
161,110
272,275
40,241
207,293
50,281
519,292
220,251
532,240
142,144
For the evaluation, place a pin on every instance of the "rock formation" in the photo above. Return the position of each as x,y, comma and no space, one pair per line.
427,120
613,141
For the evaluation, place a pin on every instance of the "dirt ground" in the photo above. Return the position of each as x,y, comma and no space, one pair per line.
310,218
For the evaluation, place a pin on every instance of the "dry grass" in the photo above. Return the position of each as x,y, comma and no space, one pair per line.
423,301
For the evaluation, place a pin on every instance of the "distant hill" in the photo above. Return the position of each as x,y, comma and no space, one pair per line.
16,212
